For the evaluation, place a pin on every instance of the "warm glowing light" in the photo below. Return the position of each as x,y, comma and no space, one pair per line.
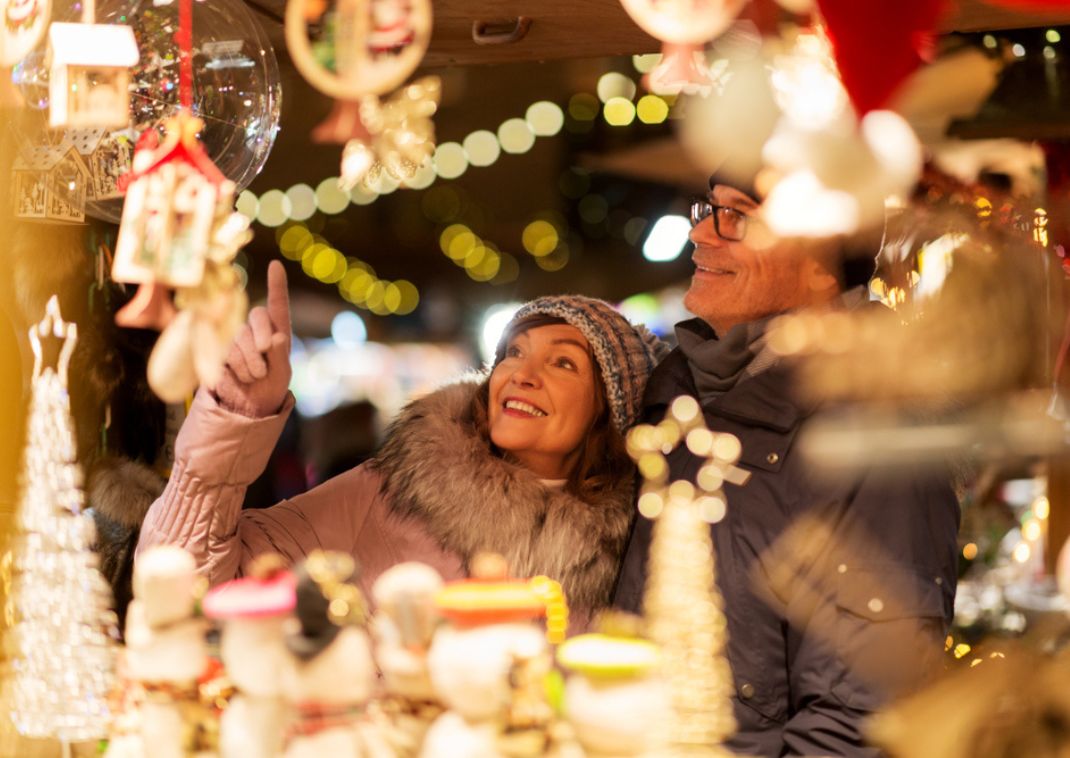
450,160
1052,36
482,148
619,111
556,260
516,136
293,242
508,270
613,85
302,202
1022,552
1041,507
652,109
247,205
799,205
1049,53
463,247
969,551
495,320
1031,530
807,84
644,64
540,238
409,297
545,118
1018,49
362,195
962,649
330,197
989,42
423,178
274,208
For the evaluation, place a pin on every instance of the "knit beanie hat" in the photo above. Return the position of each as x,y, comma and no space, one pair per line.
626,354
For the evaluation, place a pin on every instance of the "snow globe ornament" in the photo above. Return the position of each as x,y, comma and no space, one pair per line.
90,73
253,611
403,626
489,666
331,676
615,699
355,51
685,27
165,647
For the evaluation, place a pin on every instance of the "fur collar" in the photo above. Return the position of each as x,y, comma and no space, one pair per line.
122,490
436,468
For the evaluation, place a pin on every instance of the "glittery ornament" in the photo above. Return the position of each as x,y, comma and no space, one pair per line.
62,629
683,608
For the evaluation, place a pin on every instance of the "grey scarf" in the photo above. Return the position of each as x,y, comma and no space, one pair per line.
718,363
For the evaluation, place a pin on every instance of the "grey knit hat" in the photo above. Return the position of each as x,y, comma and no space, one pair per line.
626,354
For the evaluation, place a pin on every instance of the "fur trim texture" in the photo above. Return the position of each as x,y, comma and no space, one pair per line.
122,490
436,468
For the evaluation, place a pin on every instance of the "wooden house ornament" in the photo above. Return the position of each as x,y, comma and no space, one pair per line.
89,74
107,154
173,198
51,182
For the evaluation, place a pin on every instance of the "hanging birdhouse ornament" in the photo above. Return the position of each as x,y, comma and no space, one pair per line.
89,75
179,231
355,51
24,25
685,27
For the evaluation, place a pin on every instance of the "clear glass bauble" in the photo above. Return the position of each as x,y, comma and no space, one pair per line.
236,86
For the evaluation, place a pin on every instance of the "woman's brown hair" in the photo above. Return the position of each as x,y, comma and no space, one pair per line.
603,459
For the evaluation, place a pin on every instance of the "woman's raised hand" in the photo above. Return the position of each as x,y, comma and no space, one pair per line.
257,372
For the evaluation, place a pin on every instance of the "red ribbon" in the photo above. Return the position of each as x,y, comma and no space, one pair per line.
184,38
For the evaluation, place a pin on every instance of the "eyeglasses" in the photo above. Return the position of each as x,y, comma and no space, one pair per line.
729,223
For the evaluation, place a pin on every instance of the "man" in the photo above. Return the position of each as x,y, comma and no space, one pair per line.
838,594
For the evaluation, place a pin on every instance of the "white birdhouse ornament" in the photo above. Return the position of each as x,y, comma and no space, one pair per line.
89,74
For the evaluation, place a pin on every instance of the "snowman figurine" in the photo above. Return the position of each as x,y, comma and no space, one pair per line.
253,610
615,699
331,675
488,666
403,625
166,649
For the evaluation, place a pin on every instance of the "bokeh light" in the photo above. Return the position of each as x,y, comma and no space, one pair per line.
482,148
545,118
652,109
619,111
302,202
516,136
613,85
330,197
274,208
450,160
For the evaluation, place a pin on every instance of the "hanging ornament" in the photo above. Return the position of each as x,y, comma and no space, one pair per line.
90,72
685,27
878,44
355,51
179,230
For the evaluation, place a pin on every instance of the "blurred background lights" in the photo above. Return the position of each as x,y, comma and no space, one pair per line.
556,260
667,239
516,136
330,198
1052,36
583,107
482,148
540,238
423,178
450,160
644,64
247,205
1018,49
613,85
302,202
989,42
348,330
593,208
274,208
619,111
496,318
545,118
382,183
363,195
652,109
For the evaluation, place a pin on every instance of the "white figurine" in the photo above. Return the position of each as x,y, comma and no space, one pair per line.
331,675
403,626
165,647
253,610
615,699
488,666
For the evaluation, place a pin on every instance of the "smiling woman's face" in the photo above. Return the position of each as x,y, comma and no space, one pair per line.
543,399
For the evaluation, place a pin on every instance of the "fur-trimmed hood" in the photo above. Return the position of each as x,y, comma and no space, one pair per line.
435,467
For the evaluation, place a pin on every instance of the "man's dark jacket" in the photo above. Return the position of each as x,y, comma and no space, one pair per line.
827,620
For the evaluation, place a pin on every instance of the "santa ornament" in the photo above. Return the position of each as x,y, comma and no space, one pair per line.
355,51
685,27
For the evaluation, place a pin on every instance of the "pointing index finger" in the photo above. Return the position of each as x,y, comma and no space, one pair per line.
278,298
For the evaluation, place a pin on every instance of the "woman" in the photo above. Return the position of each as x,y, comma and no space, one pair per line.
528,462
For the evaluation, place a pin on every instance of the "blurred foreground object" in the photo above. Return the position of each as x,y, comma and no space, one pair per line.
63,632
1009,705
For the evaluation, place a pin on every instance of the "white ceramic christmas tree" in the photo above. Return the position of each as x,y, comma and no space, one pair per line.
63,637
254,610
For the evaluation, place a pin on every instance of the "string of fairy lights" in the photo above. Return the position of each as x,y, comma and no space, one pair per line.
544,238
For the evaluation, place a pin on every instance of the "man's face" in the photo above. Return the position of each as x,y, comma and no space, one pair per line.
735,283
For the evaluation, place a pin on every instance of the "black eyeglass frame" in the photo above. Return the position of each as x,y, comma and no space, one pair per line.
701,208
